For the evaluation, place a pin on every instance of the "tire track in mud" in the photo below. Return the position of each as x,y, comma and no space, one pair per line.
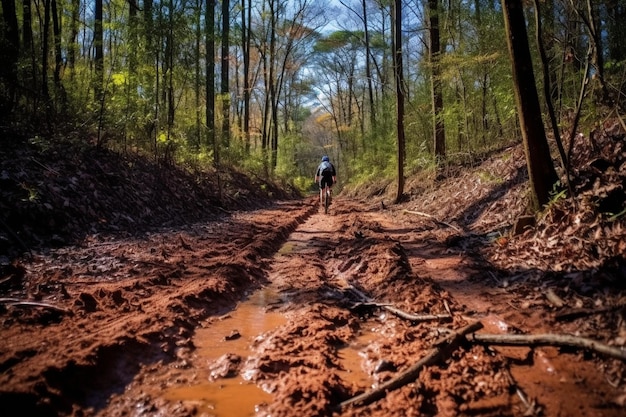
301,362
131,319
131,334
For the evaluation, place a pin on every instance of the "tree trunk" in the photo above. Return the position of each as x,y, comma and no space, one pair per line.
99,52
541,171
210,77
9,55
368,69
149,59
225,68
437,93
399,78
246,39
30,74
58,58
616,30
210,89
44,48
197,75
168,74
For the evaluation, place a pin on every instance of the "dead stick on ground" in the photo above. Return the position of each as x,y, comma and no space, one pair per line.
416,317
549,340
442,349
531,406
575,313
400,313
419,213
24,303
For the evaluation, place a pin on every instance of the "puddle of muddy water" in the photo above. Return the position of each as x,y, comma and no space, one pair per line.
235,396
231,397
231,334
352,359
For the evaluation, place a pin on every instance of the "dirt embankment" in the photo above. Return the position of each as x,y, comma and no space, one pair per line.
109,327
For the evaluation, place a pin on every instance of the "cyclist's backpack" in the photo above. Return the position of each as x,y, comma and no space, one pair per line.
325,167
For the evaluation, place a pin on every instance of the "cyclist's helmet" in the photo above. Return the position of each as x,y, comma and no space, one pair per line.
325,158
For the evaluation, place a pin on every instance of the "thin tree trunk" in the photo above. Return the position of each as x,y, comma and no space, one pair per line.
29,47
368,69
168,73
399,78
44,48
547,86
210,78
245,33
225,68
99,52
540,167
210,89
10,52
197,78
150,60
437,93
58,58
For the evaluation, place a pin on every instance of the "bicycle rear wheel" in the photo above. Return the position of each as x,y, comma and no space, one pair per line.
326,200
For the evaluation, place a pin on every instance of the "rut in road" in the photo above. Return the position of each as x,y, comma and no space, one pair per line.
302,363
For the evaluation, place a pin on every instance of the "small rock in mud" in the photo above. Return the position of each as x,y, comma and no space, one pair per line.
384,365
234,335
226,366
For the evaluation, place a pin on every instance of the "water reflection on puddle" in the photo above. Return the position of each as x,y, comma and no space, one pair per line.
231,334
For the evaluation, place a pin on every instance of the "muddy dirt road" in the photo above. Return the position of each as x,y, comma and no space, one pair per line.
286,312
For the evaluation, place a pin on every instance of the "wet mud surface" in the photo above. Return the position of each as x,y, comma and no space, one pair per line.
285,311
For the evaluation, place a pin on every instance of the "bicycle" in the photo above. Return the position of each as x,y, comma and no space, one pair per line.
327,198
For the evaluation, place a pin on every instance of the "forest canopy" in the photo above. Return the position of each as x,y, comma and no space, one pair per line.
270,86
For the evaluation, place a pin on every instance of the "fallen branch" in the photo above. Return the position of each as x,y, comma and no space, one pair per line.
442,349
549,340
575,313
436,220
417,317
24,303
532,409
400,313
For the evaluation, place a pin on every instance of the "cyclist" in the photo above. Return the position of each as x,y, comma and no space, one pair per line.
325,176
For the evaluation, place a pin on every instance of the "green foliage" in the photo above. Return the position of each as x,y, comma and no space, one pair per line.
557,196
144,58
